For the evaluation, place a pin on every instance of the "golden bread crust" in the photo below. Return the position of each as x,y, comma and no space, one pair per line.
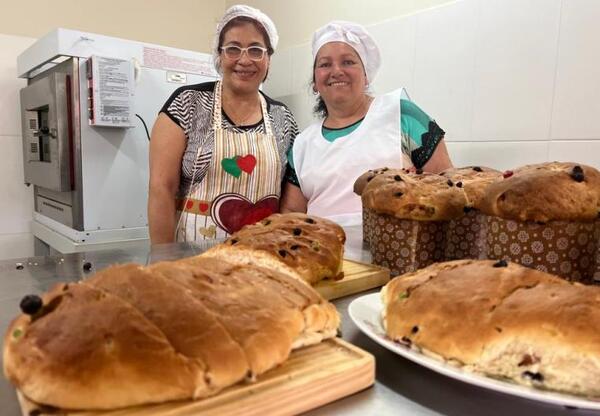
546,192
313,247
93,350
512,321
133,335
421,197
362,181
475,180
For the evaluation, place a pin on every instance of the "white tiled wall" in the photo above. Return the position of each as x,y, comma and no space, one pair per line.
445,64
515,60
576,101
16,201
398,55
510,81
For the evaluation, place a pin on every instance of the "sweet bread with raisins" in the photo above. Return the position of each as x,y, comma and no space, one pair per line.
500,319
294,243
414,196
474,180
545,192
184,329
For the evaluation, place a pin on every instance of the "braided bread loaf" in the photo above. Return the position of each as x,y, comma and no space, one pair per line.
184,329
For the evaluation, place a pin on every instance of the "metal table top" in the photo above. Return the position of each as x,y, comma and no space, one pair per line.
402,387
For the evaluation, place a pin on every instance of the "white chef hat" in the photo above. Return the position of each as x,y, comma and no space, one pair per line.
246,11
354,35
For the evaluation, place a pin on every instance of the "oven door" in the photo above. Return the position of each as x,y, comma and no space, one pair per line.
45,120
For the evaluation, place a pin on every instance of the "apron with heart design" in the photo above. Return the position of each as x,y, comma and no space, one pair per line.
242,184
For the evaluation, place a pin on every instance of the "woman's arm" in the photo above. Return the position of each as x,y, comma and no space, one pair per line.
440,159
292,199
166,153
424,139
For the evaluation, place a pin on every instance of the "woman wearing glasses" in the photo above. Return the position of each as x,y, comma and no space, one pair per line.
218,149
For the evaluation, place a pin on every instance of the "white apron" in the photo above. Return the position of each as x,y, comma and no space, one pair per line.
327,170
242,184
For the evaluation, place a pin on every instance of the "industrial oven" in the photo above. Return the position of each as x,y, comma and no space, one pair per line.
88,106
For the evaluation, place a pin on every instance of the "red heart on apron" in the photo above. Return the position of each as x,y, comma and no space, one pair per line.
246,163
232,211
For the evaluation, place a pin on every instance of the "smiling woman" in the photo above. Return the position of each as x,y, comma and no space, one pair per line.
340,78
221,144
358,132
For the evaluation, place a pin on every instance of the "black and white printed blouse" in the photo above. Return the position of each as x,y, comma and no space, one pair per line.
191,108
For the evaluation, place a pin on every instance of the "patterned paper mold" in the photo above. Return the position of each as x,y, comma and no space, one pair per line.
369,218
405,245
565,248
597,273
466,237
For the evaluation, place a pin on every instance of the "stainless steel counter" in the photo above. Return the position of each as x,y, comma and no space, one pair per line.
401,388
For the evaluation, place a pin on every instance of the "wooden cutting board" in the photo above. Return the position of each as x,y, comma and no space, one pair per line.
311,377
358,277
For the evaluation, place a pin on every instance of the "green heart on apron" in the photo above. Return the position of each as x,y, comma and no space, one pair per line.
230,166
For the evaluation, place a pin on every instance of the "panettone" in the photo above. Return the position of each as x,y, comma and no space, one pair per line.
465,236
545,192
500,319
421,197
474,180
362,181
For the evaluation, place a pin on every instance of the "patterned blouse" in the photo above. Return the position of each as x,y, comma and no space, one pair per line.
191,108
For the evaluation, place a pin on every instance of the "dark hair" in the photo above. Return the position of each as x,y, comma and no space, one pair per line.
320,108
239,21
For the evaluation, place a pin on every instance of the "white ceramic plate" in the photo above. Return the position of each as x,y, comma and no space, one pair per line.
366,314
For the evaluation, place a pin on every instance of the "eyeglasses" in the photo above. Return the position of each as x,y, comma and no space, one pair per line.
255,53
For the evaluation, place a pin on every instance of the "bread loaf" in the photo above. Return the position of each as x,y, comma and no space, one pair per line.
133,335
298,244
362,181
545,192
502,320
421,197
474,180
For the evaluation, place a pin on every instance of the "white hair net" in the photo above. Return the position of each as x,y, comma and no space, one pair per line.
246,11
354,35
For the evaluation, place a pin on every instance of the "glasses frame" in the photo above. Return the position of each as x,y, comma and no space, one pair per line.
244,50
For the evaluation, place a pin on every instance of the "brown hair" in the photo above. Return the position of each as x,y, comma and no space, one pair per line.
320,108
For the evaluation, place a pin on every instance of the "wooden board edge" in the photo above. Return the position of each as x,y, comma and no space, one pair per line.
331,293
369,265
357,376
378,277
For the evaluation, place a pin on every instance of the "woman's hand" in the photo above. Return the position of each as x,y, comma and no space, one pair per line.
167,145
292,199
